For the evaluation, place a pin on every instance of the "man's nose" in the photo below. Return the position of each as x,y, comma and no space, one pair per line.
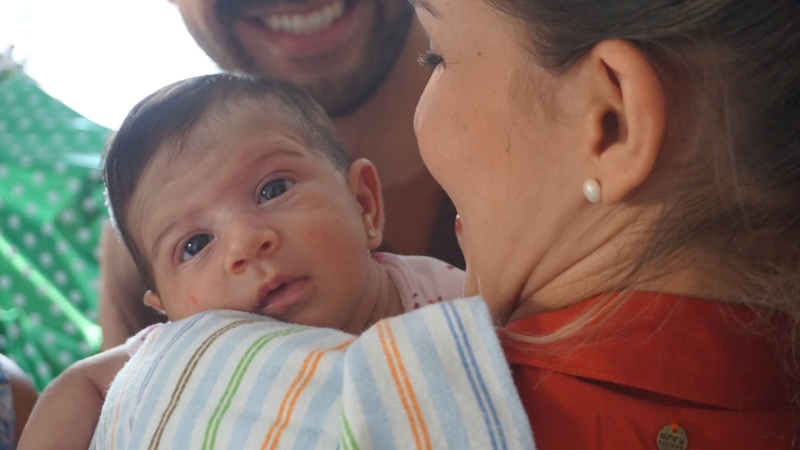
246,244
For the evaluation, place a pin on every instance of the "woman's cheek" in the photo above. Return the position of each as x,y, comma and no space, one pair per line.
422,105
425,116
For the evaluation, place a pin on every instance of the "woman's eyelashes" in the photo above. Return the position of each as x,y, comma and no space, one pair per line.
430,59
195,245
274,188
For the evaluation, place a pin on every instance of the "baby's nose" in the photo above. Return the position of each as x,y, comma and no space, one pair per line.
248,246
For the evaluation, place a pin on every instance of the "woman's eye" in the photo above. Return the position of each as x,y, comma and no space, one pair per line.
274,188
430,59
195,245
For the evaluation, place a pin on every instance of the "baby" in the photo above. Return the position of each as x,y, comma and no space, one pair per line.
235,193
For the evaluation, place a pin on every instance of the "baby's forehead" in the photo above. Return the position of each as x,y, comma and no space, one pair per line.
212,141
224,132
230,123
247,116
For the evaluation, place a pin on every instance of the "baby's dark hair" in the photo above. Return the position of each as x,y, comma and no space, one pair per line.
165,119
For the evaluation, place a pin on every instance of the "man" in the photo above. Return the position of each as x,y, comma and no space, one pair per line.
358,59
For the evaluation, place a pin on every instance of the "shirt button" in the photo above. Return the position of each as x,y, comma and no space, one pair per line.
672,437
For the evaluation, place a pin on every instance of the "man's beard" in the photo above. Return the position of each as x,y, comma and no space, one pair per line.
339,94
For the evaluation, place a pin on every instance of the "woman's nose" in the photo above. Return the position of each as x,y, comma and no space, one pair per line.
248,244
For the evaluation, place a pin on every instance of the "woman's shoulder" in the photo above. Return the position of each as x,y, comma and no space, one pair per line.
652,360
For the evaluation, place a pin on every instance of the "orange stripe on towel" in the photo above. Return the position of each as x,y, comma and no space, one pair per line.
404,388
290,398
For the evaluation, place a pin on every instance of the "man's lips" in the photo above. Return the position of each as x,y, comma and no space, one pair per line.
300,19
300,30
281,293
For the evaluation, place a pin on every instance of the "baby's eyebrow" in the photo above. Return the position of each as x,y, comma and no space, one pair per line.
426,6
157,244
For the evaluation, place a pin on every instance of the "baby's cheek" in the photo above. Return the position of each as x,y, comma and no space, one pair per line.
332,236
312,234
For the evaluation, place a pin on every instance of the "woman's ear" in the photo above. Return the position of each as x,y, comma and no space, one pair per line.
627,117
366,186
152,300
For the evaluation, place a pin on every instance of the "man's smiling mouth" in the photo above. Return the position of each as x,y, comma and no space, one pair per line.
306,23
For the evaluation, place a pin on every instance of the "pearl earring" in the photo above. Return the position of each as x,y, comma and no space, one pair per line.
591,189
372,233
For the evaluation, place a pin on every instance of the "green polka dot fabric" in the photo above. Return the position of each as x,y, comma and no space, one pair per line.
51,215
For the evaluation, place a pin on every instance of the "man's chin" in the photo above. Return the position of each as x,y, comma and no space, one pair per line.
340,82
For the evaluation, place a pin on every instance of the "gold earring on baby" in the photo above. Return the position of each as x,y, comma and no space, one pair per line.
372,233
591,189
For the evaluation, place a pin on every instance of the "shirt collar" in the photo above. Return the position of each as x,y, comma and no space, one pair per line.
694,350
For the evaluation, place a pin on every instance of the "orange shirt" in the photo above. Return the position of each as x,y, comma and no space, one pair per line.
694,366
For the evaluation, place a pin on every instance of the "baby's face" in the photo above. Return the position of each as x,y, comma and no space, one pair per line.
248,218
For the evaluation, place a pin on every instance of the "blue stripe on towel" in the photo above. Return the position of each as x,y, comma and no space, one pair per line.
444,401
473,372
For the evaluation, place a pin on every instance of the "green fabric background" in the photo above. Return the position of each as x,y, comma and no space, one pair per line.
51,214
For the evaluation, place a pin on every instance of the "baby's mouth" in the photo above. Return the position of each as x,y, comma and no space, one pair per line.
281,293
266,292
275,291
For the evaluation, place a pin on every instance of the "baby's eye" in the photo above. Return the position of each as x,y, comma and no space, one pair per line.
274,188
195,245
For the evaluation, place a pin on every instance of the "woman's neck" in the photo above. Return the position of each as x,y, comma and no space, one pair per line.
610,262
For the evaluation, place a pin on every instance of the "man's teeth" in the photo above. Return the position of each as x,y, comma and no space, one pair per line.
306,23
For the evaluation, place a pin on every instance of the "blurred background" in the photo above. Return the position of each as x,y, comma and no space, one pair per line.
100,57
76,68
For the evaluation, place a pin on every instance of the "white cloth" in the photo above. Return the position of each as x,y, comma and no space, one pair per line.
435,378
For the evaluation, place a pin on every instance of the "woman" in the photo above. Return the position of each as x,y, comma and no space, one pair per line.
627,177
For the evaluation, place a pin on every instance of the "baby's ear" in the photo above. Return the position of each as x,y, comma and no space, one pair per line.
152,300
366,186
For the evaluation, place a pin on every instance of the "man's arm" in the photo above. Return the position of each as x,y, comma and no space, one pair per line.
122,312
66,414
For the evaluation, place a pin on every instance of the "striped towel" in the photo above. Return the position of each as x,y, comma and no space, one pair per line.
434,378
